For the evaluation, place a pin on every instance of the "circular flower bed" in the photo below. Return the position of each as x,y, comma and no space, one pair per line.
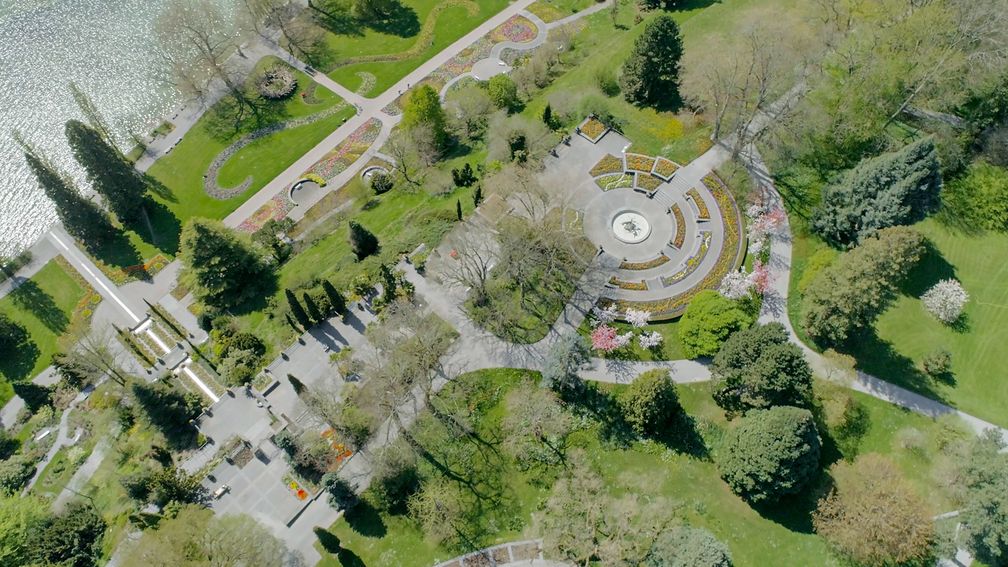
276,82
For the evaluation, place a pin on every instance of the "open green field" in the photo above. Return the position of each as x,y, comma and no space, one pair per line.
181,171
420,33
778,535
552,10
44,305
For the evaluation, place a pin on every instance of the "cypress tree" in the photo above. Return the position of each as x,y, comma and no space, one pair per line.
335,297
458,208
111,176
478,195
297,310
467,175
221,267
547,116
313,309
298,385
82,218
651,73
362,241
389,283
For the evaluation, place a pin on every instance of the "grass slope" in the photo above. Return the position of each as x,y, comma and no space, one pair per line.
44,305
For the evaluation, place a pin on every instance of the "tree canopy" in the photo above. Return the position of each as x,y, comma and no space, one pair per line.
759,368
709,320
850,294
771,453
423,108
894,188
221,267
651,72
650,403
686,546
983,469
873,516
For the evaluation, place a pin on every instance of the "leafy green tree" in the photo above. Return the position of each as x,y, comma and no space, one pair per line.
686,546
395,478
650,403
239,366
172,484
564,359
22,518
297,309
375,10
221,267
195,536
382,182
337,301
503,92
536,427
362,241
895,188
651,73
980,197
111,176
874,517
73,538
423,108
847,296
983,470
82,219
15,473
708,321
759,368
771,453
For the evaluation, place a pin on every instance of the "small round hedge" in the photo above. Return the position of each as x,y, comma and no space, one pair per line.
276,82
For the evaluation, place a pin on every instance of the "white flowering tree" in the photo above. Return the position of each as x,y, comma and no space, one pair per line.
946,300
736,285
604,316
650,340
638,317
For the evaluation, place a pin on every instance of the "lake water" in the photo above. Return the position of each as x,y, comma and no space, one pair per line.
108,48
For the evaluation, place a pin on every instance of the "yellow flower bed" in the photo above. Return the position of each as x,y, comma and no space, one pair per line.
608,164
593,129
664,168
701,205
648,182
638,162
680,227
632,286
653,263
692,263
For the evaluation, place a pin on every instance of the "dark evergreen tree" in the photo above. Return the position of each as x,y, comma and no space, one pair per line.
111,176
336,299
547,116
458,209
297,309
82,219
13,337
221,267
771,453
73,538
896,188
362,241
381,182
478,195
313,309
34,396
389,283
651,72
759,368
298,385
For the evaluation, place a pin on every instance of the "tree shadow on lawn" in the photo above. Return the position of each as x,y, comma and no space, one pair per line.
335,19
348,558
365,519
226,122
18,367
165,225
878,358
30,297
119,252
931,268
401,22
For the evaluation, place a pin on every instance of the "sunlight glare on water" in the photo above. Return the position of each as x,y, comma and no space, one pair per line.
106,47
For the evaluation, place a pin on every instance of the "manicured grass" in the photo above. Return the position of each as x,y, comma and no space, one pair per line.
552,10
907,332
181,171
452,23
44,305
777,535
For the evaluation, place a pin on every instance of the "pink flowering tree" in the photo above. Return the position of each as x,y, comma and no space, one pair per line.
760,277
604,338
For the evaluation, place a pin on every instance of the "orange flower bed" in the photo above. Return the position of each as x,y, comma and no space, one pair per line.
680,227
654,263
607,165
593,129
632,286
701,205
638,162
664,168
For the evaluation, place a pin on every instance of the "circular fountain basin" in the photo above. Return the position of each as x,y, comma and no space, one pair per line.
631,227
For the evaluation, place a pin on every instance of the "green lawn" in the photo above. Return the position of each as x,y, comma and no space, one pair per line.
552,10
44,305
453,22
780,535
182,170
